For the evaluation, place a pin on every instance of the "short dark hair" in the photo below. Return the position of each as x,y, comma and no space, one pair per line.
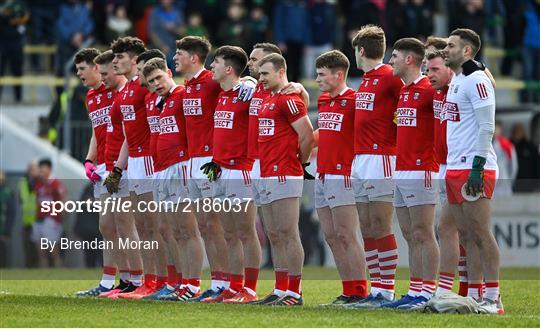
268,48
45,162
333,60
412,46
131,45
104,58
149,54
86,55
277,61
437,42
470,37
153,64
372,39
233,56
195,46
434,54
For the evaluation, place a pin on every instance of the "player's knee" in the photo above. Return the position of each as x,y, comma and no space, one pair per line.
108,231
273,237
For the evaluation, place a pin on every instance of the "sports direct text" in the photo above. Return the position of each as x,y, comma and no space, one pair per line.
119,205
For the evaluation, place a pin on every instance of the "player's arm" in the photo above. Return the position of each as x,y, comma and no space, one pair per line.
296,88
113,180
482,97
124,152
306,142
91,156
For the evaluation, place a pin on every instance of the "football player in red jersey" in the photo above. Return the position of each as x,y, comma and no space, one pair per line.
199,103
171,178
285,144
135,154
234,184
277,246
98,103
416,189
334,195
374,162
113,142
439,76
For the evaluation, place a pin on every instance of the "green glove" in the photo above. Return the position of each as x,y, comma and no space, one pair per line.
212,170
475,183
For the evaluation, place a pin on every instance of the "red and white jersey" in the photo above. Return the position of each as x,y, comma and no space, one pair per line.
199,103
336,130
465,95
98,105
172,144
439,126
51,189
115,134
376,101
152,116
415,140
133,111
255,106
278,141
231,125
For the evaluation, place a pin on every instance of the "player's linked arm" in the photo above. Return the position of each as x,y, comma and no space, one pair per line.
124,152
92,148
296,88
306,141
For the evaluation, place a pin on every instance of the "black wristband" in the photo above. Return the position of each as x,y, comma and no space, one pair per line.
88,160
117,170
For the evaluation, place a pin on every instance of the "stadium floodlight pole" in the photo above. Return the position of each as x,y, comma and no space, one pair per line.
68,65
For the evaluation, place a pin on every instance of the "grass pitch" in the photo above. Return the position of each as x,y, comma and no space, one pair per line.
26,301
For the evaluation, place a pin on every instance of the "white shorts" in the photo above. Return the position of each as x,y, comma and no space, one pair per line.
140,173
99,188
171,184
372,177
256,182
281,187
47,228
443,197
333,191
123,187
233,184
198,185
415,188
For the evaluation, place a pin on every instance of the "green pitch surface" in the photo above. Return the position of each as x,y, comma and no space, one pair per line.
28,302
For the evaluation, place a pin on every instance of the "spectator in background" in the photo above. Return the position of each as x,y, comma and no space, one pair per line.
75,27
13,18
512,31
28,211
233,30
359,13
257,26
290,30
531,48
118,25
322,24
419,18
468,14
48,225
164,27
506,161
211,11
528,175
43,21
8,204
194,26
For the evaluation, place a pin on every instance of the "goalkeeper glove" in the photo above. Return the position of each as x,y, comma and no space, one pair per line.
475,183
113,180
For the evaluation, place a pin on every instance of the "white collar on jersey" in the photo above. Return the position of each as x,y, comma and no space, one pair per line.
196,75
135,78
344,91
418,79
376,67
172,89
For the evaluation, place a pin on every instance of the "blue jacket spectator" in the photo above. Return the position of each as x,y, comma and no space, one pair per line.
165,26
531,48
74,23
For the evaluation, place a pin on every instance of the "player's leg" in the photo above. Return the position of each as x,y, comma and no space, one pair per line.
143,222
479,214
370,245
449,249
425,243
346,225
152,223
286,214
474,265
244,221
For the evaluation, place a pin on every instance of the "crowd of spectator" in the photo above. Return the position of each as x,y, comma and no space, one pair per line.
302,28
